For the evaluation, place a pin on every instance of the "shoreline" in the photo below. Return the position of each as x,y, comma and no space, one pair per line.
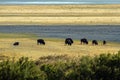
118,25
53,4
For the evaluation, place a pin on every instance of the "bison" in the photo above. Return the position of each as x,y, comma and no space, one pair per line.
94,42
40,41
15,43
84,41
104,42
68,41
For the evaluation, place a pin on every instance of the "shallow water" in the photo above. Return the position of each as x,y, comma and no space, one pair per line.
104,32
59,2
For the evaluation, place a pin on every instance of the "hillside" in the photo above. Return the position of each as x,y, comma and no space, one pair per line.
59,14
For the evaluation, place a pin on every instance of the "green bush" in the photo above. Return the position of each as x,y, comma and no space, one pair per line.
20,70
102,67
52,72
107,67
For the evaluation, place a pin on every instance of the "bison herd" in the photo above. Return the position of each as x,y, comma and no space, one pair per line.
68,41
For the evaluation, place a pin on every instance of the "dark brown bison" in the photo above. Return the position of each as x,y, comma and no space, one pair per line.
94,42
68,41
15,43
104,42
84,41
40,41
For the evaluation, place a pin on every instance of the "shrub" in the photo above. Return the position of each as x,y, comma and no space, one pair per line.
20,70
56,71
107,67
102,67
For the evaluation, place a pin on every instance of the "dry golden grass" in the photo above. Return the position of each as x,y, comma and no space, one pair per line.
59,14
29,48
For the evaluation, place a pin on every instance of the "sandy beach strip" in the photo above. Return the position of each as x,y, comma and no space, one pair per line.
59,14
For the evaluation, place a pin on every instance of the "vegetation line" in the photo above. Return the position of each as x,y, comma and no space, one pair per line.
85,68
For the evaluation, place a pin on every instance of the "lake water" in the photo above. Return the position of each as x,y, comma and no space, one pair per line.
59,2
109,33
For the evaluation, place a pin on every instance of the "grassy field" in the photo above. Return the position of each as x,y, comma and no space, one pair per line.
59,14
54,47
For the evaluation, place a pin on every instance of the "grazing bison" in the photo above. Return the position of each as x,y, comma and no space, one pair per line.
104,42
94,42
68,41
84,41
40,41
16,44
